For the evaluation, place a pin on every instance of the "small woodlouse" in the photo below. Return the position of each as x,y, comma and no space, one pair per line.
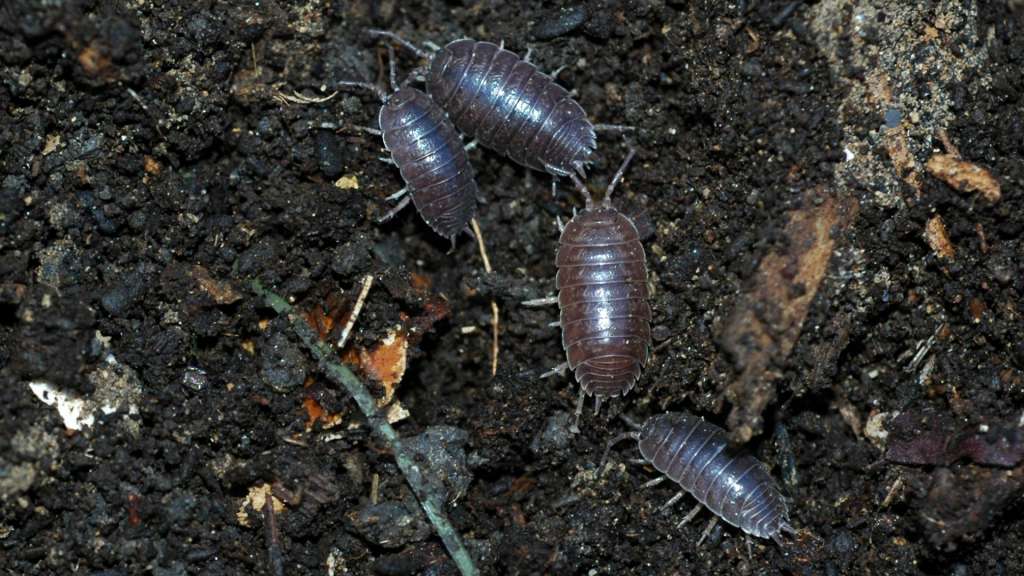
696,455
510,106
602,298
428,151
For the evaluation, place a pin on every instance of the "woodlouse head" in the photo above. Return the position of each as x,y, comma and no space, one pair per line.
395,110
655,428
600,225
447,67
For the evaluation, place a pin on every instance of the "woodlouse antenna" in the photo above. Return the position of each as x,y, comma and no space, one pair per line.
366,86
616,440
392,76
607,202
396,38
583,190
418,74
630,422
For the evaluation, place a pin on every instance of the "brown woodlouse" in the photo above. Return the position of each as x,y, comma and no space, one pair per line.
510,106
696,455
428,151
602,297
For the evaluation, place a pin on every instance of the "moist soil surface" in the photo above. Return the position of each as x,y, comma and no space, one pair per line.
820,286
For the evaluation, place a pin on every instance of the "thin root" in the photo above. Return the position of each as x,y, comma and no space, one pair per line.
495,315
367,282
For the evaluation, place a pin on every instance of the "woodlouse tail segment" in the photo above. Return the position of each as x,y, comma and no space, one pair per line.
786,528
607,202
613,128
608,447
398,39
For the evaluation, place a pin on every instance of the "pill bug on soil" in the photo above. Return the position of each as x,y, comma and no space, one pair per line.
602,297
735,486
428,151
510,106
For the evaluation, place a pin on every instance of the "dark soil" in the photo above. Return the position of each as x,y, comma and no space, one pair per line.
149,173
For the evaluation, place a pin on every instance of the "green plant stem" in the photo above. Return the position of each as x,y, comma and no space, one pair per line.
432,503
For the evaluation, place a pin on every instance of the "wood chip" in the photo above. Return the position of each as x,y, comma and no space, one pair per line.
938,238
964,176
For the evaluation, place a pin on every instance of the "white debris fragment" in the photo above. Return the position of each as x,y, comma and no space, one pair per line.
116,385
71,408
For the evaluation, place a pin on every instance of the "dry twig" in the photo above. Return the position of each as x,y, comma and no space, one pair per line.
360,300
430,500
495,318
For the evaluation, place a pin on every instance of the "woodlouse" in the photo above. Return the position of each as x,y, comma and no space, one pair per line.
696,455
602,297
510,106
428,151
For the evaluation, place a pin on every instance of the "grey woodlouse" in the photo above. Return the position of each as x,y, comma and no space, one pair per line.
696,455
510,106
428,151
602,298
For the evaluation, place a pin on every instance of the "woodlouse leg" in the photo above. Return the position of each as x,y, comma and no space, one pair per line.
652,483
398,208
710,527
546,301
560,370
405,43
561,225
555,324
671,501
689,516
554,187
386,160
750,548
529,51
397,195
369,130
471,145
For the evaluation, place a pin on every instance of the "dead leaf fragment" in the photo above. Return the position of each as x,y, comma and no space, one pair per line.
964,176
938,238
316,413
763,328
151,165
221,292
255,500
386,363
347,182
94,60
